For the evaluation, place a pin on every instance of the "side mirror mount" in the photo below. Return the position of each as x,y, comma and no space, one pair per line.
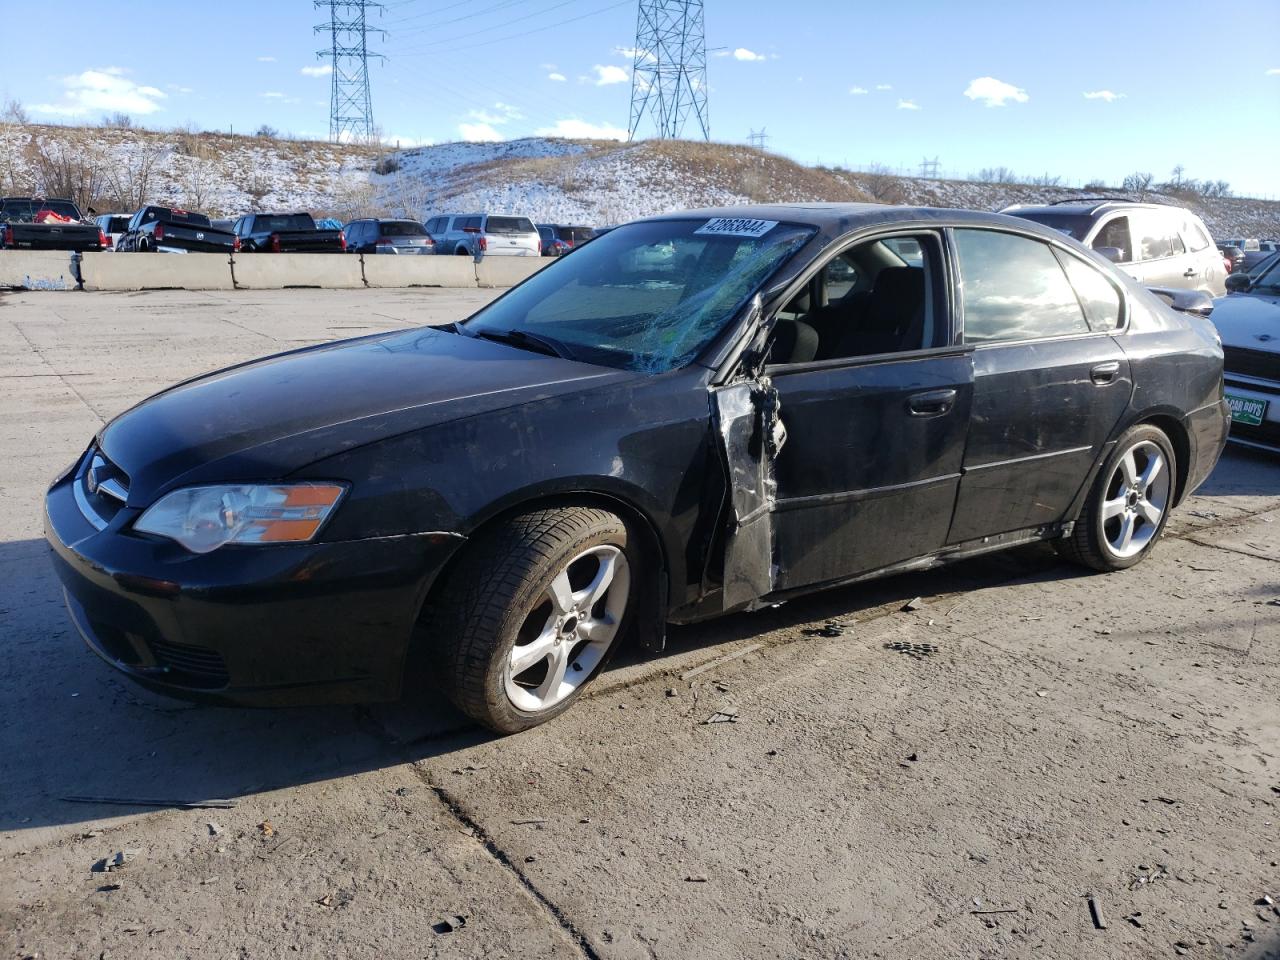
1114,254
756,355
1185,301
1239,282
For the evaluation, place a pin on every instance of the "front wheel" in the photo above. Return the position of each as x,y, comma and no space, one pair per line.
531,613
1128,506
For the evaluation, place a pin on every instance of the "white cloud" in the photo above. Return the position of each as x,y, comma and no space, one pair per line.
750,56
177,89
1274,72
857,91
266,59
908,105
321,71
405,143
478,131
994,93
105,89
610,74
884,86
630,53
272,95
1106,95
501,113
574,129
557,77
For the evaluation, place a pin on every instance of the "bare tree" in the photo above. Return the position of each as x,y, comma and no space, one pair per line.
70,166
1137,182
997,175
13,112
267,131
118,121
130,178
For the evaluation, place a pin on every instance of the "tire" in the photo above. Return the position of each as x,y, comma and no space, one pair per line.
461,251
1126,511
521,591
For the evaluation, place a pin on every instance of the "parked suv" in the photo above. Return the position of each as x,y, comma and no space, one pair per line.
558,239
400,237
1156,244
493,235
113,226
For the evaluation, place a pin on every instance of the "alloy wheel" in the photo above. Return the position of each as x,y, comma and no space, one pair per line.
1135,499
570,629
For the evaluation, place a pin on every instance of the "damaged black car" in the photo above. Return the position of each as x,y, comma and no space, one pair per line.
693,414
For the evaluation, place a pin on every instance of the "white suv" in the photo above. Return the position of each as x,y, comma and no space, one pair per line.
1156,244
483,234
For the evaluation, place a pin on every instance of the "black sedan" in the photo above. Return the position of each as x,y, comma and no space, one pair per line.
697,413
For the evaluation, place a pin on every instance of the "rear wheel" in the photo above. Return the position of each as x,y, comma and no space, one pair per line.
531,614
1128,506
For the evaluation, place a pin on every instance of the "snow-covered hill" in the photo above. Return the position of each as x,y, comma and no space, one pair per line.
553,180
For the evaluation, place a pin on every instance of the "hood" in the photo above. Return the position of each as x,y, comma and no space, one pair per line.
268,418
1249,321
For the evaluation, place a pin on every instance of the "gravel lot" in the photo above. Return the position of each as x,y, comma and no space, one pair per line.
1071,737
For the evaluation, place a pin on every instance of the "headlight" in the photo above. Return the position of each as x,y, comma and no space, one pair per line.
205,518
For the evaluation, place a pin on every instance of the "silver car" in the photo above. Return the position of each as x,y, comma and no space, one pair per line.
483,234
1156,244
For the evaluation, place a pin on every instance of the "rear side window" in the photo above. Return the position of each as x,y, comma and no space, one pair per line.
1098,296
467,223
510,225
1013,288
1115,233
1197,239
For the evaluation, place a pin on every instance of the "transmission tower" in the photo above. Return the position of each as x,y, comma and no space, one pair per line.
669,72
350,108
759,140
929,168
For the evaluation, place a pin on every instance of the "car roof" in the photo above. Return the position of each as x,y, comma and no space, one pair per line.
840,218
1086,207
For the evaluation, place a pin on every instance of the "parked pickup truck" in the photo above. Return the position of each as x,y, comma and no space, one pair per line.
28,223
286,233
166,230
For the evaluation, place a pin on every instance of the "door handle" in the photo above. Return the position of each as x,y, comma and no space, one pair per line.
932,404
1104,372
1189,272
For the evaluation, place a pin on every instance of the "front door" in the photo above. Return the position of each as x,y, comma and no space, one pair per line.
846,456
1050,382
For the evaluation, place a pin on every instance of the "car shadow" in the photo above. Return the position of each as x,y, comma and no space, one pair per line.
1243,472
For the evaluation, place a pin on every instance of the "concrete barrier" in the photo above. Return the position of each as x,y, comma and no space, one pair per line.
419,271
40,269
274,271
508,271
156,271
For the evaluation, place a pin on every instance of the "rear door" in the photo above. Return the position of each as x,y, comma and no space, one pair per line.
1050,382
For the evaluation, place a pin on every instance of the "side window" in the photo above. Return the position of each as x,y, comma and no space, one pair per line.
1097,294
1195,236
882,296
1115,233
1152,234
1013,288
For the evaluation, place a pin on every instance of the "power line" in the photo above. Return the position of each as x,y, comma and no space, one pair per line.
669,71
517,36
350,103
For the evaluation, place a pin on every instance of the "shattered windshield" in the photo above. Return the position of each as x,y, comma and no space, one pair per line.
646,296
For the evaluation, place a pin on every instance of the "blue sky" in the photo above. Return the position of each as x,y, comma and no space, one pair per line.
1083,90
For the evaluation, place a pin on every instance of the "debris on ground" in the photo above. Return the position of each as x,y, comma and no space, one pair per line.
1135,918
722,716
917,651
672,692
528,823
832,628
1266,900
214,829
267,828
401,791
916,603
108,887
1146,875
1095,911
449,924
695,878
117,861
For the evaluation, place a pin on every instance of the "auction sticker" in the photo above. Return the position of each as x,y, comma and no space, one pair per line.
736,227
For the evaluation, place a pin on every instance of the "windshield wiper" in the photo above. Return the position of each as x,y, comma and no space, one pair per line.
529,341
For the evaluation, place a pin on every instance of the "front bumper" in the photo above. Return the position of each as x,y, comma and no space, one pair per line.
1263,436
256,626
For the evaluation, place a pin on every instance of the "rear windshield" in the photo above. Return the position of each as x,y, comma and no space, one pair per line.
1072,225
510,225
175,216
118,225
574,235
402,228
25,211
646,296
288,221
